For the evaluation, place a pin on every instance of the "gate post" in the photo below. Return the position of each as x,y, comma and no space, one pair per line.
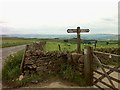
88,68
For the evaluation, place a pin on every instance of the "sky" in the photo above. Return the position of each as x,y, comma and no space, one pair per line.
56,16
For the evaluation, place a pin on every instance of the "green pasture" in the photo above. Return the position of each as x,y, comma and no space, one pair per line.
11,41
53,46
103,45
14,41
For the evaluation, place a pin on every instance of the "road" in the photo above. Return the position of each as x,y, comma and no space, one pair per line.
4,52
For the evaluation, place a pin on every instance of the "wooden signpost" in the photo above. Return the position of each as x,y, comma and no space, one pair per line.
78,31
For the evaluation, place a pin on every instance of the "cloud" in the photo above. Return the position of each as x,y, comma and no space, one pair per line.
113,21
109,19
6,29
2,22
55,17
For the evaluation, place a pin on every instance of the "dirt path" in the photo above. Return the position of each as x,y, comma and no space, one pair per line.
56,82
4,52
53,82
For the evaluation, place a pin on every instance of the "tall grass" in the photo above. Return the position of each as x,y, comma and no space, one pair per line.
68,72
11,69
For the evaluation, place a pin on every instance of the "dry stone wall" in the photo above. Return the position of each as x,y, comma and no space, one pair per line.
37,60
106,59
109,50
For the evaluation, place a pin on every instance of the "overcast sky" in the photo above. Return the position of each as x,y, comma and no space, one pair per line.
56,16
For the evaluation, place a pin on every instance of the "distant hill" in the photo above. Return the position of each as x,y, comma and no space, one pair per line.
100,36
4,35
83,36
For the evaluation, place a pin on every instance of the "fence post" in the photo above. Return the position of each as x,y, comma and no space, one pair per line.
59,47
23,58
88,62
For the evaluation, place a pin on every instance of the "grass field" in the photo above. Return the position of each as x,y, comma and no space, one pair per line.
102,44
14,41
11,41
52,44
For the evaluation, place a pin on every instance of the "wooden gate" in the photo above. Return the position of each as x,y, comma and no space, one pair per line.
102,77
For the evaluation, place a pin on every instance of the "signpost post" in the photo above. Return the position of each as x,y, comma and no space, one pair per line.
78,31
78,40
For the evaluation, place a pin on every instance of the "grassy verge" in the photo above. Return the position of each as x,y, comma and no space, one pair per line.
11,68
11,72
